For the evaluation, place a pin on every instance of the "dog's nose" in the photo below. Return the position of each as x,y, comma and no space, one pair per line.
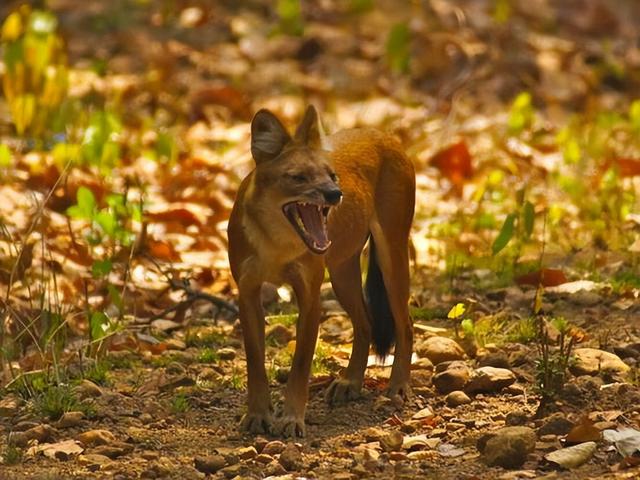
332,196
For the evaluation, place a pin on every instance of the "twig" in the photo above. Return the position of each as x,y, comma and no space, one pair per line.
192,295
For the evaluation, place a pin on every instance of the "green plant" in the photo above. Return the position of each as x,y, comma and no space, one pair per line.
288,320
236,380
36,76
180,403
398,48
290,13
554,357
208,355
524,331
12,455
518,224
55,400
98,372
521,113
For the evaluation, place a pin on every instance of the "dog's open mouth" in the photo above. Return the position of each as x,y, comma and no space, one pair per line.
310,221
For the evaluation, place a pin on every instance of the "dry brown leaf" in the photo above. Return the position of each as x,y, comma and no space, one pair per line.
547,277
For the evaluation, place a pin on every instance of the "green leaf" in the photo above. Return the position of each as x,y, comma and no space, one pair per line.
520,114
107,221
290,13
528,216
506,233
86,201
101,268
634,115
115,296
99,325
85,208
468,327
398,48
5,157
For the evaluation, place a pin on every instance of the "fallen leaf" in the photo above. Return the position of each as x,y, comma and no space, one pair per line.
454,162
572,457
626,440
547,277
583,432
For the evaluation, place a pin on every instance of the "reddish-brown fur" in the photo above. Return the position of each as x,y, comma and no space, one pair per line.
377,181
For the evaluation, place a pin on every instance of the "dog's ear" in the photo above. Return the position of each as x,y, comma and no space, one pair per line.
310,131
268,136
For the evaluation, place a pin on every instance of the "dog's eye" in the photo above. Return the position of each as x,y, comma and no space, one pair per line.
333,177
298,177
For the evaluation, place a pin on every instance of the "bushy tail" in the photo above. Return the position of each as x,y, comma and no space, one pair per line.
382,325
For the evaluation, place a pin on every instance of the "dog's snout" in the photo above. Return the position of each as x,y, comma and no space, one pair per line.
332,195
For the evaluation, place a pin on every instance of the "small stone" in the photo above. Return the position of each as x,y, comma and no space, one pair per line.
92,461
457,398
70,419
489,379
497,359
274,447
113,451
41,433
556,424
591,361
165,325
398,456
422,364
226,353
454,426
440,349
232,471
507,447
88,389
150,455
274,469
264,458
423,414
247,453
278,334
175,344
383,403
260,443
422,455
96,437
391,441
145,418
516,418
453,377
548,438
210,464
421,378
290,458
175,368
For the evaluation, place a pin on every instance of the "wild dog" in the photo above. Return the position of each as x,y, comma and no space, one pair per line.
313,202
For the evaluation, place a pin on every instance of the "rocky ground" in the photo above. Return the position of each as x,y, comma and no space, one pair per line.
475,412
502,105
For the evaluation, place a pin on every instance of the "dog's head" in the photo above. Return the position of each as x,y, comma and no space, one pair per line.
297,173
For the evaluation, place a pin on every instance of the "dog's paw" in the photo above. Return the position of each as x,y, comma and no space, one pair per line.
399,393
257,423
290,426
342,391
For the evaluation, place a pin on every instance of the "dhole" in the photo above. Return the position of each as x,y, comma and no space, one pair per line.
314,201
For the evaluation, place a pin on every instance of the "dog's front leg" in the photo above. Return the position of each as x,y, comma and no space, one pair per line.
306,282
258,417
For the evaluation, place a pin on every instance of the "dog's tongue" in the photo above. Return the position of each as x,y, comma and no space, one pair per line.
314,224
